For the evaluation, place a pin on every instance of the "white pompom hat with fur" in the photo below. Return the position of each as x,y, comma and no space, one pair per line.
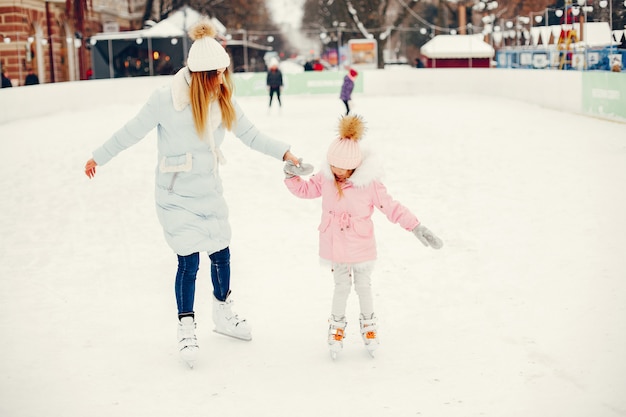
344,152
206,54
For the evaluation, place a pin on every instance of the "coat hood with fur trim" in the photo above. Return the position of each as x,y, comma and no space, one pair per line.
370,170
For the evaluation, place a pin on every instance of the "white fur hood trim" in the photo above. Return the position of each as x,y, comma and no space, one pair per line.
369,170
180,89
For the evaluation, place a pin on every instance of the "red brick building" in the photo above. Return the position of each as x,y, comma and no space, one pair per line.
49,36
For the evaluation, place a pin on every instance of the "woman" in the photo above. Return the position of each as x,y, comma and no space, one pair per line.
192,116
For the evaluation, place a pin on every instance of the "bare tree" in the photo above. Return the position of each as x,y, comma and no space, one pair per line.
367,18
234,14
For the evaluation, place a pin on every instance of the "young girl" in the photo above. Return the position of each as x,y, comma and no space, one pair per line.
347,87
350,189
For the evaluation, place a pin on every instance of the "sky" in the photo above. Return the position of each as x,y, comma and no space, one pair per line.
521,313
287,11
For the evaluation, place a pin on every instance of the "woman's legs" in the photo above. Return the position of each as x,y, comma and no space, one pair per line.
226,321
185,285
345,102
220,273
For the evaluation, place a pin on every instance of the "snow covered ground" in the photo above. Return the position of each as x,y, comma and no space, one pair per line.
522,313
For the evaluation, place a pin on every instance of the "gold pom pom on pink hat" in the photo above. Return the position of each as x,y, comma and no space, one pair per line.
344,152
206,54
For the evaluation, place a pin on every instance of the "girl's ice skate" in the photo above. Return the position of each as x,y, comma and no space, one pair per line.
187,342
227,322
369,333
336,331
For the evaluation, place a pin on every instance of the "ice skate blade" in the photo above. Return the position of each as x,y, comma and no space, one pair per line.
246,338
188,355
187,360
334,350
371,349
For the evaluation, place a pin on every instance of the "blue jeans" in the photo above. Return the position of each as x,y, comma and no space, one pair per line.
185,286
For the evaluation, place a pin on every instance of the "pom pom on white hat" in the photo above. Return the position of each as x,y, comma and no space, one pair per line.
344,152
205,54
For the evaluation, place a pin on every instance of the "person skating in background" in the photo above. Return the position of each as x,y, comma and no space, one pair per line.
350,187
347,87
274,81
192,116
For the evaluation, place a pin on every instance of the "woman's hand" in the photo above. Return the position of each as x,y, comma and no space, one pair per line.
90,168
288,156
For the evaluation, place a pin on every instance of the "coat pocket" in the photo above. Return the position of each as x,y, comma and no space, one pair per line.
363,228
176,163
326,219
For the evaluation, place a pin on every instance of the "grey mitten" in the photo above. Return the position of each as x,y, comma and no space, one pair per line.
291,170
427,237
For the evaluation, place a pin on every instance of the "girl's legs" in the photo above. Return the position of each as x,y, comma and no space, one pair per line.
220,273
363,287
347,106
362,274
185,285
343,283
367,320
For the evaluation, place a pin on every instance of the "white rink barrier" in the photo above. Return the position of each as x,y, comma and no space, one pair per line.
560,90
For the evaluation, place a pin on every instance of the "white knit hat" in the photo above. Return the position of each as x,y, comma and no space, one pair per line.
344,152
205,54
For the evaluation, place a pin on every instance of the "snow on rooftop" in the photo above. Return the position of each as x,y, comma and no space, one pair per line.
457,46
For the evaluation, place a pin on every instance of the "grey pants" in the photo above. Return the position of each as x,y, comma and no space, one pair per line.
362,275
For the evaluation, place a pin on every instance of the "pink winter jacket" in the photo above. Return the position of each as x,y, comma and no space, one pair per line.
346,229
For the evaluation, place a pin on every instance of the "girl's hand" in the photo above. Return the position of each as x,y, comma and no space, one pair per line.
90,168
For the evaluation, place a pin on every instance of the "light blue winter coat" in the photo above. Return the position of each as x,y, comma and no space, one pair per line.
188,190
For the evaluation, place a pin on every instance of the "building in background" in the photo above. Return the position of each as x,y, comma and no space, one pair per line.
457,51
49,36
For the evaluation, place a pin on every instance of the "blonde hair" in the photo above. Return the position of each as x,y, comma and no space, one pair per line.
339,184
205,87
339,189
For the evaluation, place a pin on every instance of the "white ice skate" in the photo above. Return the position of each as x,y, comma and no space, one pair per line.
369,333
336,334
187,342
227,322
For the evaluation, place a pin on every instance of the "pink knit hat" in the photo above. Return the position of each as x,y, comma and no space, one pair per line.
344,152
